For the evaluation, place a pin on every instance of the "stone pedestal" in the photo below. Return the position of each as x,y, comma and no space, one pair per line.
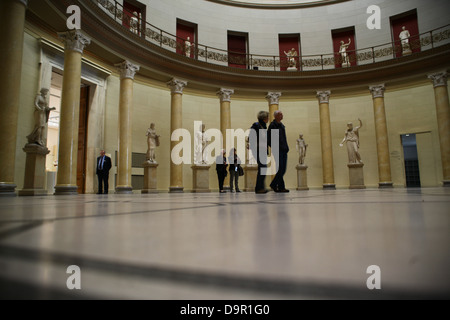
356,176
150,182
250,174
34,181
345,65
292,69
200,175
302,178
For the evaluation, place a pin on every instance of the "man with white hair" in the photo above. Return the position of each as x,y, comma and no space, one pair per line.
280,153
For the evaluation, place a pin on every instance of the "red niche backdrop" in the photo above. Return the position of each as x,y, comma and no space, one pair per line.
348,38
286,43
409,21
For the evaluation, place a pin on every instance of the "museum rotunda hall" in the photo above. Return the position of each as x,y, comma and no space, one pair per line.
162,87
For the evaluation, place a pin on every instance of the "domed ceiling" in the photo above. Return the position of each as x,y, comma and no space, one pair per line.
277,4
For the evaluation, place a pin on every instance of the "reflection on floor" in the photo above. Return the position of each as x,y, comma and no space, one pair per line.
302,245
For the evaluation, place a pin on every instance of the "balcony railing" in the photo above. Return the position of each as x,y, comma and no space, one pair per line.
163,39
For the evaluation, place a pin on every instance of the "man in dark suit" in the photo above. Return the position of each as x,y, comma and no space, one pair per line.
103,167
281,154
221,168
258,139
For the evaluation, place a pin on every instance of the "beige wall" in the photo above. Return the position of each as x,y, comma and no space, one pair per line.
408,109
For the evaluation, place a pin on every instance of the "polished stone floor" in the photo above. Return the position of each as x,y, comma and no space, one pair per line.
302,245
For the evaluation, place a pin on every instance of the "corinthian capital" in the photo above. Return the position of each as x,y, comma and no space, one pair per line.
439,79
377,91
74,40
324,96
225,94
176,85
127,70
273,97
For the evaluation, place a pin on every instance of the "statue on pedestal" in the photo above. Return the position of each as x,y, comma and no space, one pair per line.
41,116
201,141
352,139
343,51
152,143
291,55
187,47
301,148
404,39
134,23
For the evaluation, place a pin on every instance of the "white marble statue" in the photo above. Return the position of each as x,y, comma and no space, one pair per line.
301,148
291,55
187,47
41,116
134,23
404,39
352,139
250,157
201,141
343,52
152,143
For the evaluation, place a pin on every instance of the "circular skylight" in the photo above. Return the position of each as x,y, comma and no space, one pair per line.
277,3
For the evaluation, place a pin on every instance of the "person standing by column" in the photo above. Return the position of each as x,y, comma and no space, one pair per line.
278,184
258,140
103,167
221,168
235,166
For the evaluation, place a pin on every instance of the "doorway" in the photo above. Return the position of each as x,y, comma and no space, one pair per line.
411,156
82,139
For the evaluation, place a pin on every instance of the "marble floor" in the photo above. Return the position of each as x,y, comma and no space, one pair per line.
301,245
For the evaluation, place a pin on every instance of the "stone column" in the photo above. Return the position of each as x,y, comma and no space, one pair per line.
176,122
274,101
225,121
443,117
66,182
12,22
326,141
124,152
384,163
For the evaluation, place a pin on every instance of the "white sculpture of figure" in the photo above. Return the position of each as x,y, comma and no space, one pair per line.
344,54
152,143
291,55
134,23
250,158
41,116
301,148
404,39
352,139
187,47
201,141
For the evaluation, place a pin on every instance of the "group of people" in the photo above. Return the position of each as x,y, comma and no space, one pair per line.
264,140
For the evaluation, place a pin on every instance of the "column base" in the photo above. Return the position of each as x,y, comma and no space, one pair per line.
7,190
124,190
446,183
386,185
176,189
66,190
32,192
356,175
329,186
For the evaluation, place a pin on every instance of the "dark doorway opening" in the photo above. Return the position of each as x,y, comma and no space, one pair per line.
411,156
